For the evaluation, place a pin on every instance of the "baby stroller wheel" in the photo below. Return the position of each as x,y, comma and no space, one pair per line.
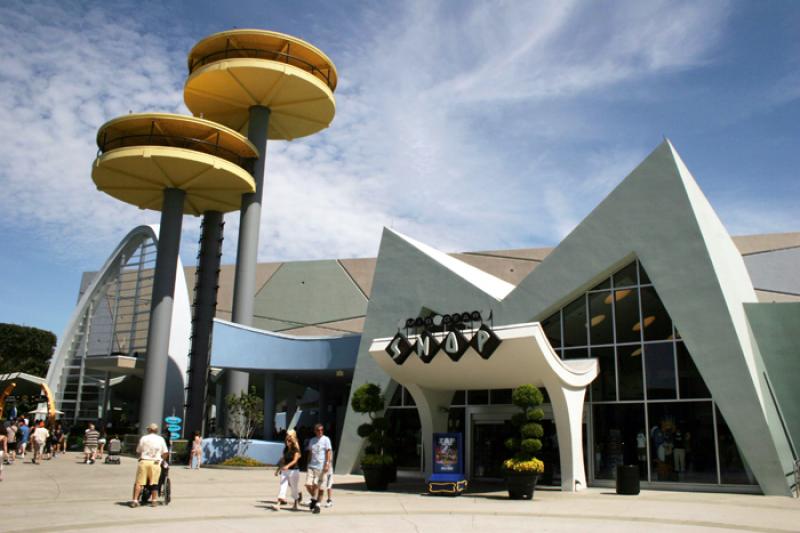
167,491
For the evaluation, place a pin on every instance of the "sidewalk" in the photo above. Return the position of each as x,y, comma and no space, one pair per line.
66,495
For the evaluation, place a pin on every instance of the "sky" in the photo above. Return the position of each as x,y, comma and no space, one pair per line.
468,125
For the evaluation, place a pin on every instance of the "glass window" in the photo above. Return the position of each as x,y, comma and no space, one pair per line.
405,431
629,366
660,371
682,442
690,383
604,388
459,398
552,329
575,323
455,420
576,353
626,277
500,396
655,322
732,467
397,397
626,315
617,428
605,284
407,398
644,279
478,397
600,322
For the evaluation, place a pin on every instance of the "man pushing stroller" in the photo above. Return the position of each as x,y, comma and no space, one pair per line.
152,449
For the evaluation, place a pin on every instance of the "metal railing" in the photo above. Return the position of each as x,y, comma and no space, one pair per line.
323,74
174,141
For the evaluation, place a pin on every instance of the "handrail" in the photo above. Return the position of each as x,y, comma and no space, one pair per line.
174,141
268,54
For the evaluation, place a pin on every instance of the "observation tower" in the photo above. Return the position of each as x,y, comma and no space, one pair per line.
266,85
177,165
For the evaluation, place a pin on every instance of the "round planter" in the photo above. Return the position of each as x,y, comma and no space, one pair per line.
376,477
520,486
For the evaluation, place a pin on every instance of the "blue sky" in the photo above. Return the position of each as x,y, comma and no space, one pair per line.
466,125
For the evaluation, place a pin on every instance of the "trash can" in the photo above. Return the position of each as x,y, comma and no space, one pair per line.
628,479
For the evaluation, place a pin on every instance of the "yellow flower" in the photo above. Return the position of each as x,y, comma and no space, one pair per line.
534,466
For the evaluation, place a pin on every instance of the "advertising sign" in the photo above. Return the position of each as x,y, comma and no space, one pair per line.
448,456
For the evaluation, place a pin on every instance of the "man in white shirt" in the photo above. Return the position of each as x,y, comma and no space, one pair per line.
152,449
319,462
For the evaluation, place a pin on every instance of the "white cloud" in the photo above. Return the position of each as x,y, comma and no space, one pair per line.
451,126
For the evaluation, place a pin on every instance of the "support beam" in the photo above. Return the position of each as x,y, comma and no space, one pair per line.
244,287
155,373
270,383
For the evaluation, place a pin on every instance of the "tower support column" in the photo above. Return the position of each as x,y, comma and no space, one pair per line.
270,382
244,286
155,373
204,309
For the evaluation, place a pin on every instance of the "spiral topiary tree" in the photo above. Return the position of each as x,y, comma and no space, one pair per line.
367,399
529,430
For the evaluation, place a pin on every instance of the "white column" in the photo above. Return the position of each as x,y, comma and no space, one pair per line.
567,405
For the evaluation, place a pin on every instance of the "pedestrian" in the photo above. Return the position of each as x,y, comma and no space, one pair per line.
327,485
40,436
101,444
23,433
152,449
196,458
56,436
90,438
319,462
289,469
3,453
11,442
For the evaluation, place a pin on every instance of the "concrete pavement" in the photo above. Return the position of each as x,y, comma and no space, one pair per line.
66,495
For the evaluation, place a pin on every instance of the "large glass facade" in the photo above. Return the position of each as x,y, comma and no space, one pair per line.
649,405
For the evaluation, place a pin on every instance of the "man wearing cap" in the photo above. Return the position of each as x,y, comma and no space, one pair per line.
151,449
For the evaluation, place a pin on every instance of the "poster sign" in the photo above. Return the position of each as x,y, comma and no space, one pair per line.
448,456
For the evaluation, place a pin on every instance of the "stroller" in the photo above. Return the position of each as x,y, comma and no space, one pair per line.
114,450
164,487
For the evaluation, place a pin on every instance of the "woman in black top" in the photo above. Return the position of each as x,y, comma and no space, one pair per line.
289,470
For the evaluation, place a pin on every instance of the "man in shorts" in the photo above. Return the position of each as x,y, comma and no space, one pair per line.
23,432
11,441
90,438
319,464
152,449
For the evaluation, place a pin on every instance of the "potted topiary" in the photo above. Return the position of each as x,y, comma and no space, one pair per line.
377,464
523,469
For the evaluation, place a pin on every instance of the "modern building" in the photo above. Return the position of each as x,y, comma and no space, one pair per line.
659,339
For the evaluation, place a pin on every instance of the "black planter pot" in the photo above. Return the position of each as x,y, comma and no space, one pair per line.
376,476
520,486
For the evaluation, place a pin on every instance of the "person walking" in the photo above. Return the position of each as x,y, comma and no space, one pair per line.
319,462
3,453
152,450
40,436
90,439
11,442
23,433
196,458
289,469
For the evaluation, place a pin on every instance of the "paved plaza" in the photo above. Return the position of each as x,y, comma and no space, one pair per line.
66,495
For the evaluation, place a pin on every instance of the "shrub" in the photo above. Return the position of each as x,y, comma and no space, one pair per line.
367,399
239,460
527,398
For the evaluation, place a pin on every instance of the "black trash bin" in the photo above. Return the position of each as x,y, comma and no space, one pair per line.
628,479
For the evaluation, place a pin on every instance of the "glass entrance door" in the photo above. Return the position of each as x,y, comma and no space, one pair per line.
488,450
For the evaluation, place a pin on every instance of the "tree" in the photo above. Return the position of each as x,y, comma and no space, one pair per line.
530,431
25,349
245,414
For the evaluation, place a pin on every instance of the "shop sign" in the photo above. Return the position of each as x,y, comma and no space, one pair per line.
426,345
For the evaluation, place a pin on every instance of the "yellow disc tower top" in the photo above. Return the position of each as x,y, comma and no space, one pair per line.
232,71
140,155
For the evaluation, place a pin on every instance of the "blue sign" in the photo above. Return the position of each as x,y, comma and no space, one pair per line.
174,435
174,428
173,420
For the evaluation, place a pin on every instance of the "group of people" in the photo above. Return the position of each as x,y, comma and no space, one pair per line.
319,472
22,435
